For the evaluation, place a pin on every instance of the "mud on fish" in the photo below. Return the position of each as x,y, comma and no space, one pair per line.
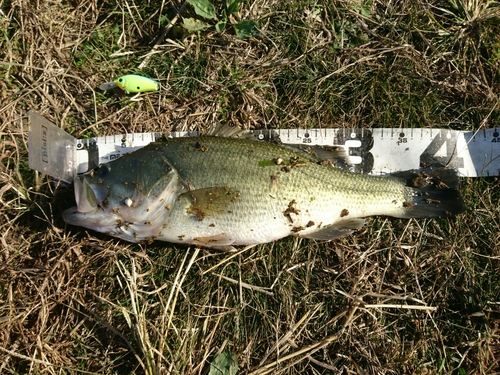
221,192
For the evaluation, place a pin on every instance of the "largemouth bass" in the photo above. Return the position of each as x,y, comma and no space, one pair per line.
221,192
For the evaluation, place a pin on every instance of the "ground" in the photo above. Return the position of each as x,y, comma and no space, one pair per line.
397,297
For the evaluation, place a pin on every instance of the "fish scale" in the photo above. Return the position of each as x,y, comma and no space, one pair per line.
221,192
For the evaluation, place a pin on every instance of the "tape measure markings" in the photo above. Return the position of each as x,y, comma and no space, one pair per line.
375,151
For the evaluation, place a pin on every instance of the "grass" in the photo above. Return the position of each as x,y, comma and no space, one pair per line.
398,297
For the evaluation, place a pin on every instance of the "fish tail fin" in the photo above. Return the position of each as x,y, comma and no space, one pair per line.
434,192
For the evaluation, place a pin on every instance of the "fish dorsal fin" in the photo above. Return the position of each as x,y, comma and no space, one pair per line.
209,202
341,229
337,155
334,154
228,131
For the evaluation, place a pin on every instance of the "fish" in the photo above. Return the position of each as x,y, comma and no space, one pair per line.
221,192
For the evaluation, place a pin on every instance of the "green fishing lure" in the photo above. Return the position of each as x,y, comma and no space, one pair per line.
132,83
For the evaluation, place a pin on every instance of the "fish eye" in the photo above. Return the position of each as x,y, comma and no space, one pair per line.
128,202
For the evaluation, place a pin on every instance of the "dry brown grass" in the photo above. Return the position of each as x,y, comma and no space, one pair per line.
413,297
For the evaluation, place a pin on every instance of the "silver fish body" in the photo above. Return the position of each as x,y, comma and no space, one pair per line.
222,192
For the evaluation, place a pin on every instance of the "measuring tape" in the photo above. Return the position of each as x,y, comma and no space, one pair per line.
371,151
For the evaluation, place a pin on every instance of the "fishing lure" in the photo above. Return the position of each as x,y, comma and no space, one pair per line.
132,83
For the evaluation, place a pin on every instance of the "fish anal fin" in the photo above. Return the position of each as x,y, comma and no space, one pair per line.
337,230
219,242
209,201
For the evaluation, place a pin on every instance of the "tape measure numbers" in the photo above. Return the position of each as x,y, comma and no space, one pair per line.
374,151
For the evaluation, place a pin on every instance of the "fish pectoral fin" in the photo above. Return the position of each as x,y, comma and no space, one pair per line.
209,201
341,229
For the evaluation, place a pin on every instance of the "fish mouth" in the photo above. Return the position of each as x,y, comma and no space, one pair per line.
89,202
88,196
